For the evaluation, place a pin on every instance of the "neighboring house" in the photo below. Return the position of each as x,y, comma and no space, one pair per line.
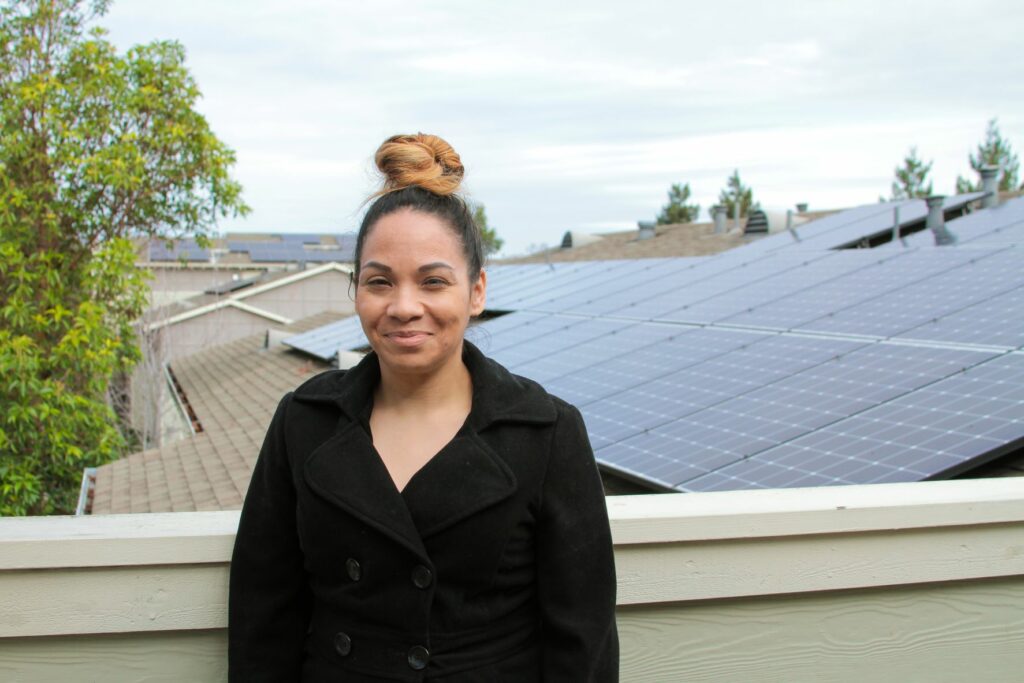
228,393
221,315
183,269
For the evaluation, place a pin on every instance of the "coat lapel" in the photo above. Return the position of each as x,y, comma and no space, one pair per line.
346,471
465,477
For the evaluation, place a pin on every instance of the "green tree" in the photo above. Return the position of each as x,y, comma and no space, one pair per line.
492,243
993,151
911,179
97,148
677,210
736,193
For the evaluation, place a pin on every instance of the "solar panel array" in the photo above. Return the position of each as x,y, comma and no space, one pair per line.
776,364
185,249
292,248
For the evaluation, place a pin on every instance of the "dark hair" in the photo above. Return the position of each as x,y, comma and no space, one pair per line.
422,173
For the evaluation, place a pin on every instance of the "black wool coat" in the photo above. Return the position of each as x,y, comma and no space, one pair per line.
494,563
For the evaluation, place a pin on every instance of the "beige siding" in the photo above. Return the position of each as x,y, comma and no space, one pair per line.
965,631
171,284
212,329
903,582
326,291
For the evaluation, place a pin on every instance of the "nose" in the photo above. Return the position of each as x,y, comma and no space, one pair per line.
405,304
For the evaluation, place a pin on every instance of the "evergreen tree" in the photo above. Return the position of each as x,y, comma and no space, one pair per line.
677,210
736,192
993,151
911,179
489,236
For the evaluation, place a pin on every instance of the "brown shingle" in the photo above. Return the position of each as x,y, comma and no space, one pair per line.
233,389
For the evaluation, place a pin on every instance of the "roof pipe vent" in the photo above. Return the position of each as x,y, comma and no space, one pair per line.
990,186
936,222
719,214
801,207
646,230
345,359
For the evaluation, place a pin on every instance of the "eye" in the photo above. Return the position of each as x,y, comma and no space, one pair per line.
435,282
376,281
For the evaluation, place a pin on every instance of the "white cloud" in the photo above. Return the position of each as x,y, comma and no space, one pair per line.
582,113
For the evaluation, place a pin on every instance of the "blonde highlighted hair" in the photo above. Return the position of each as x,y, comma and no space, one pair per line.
423,173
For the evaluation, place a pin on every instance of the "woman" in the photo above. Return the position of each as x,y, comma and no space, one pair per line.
425,515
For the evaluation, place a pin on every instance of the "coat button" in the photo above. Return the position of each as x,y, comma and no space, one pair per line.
418,658
355,572
422,577
342,644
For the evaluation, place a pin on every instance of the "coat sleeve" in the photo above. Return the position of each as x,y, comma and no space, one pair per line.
575,564
268,599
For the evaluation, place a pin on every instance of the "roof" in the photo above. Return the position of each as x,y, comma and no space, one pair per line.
684,239
239,248
205,303
233,389
829,356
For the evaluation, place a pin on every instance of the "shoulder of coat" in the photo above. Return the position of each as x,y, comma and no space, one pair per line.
324,384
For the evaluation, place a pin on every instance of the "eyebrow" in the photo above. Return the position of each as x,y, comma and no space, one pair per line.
424,268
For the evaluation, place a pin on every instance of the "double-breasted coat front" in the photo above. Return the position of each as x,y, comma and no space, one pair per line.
494,563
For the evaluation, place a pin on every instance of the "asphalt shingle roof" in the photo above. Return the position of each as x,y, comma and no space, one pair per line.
233,389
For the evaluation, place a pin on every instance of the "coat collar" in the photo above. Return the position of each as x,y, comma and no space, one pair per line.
465,477
498,395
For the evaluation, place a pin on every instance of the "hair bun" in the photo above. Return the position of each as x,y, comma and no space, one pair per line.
424,160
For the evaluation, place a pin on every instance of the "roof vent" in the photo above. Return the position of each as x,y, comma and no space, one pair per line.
646,230
347,359
573,238
757,222
761,221
719,214
275,337
936,222
989,185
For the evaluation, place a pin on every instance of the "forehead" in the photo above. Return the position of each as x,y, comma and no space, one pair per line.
412,237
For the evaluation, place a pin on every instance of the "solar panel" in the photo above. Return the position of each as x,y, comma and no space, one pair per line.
893,270
929,433
997,320
964,283
800,401
186,249
1003,224
324,341
762,365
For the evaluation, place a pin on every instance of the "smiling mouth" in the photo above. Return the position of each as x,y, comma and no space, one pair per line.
407,337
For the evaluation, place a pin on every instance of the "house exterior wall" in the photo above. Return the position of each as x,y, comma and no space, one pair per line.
170,284
895,582
217,327
326,291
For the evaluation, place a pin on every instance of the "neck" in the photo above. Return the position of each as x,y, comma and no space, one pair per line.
450,384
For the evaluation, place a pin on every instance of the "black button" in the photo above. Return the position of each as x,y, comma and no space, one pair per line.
421,576
418,658
355,572
342,644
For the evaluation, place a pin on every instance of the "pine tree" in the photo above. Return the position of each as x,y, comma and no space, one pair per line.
994,151
677,210
489,236
911,181
736,192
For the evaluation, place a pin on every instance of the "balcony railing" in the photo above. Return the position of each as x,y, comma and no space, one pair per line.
901,582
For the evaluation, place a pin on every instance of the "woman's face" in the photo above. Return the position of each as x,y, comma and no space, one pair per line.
414,297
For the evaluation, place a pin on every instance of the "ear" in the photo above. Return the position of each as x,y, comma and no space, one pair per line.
478,295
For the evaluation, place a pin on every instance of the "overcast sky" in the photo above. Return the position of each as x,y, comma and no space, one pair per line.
580,115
